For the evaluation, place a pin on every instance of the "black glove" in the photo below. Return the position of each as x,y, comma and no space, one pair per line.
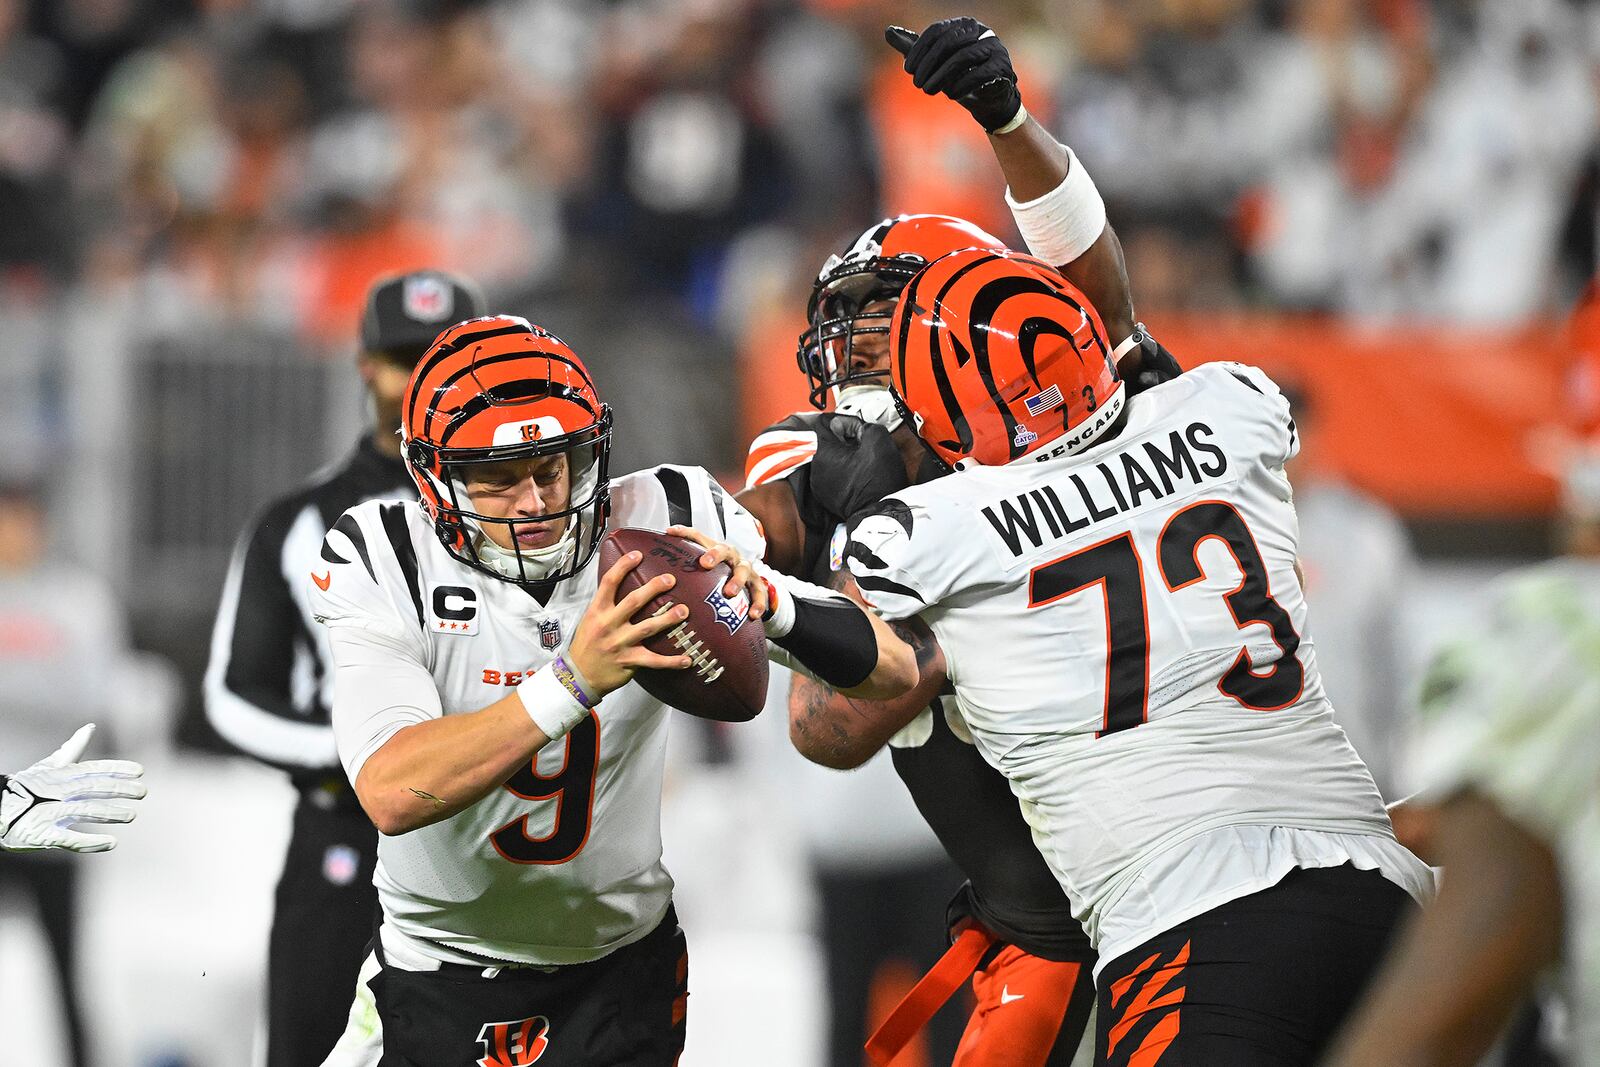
1147,365
964,60
857,464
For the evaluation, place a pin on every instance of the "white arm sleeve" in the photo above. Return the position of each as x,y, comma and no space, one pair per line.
381,681
379,690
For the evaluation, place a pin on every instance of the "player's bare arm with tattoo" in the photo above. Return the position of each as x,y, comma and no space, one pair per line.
837,731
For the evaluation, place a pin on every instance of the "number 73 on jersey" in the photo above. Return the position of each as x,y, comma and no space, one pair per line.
1114,565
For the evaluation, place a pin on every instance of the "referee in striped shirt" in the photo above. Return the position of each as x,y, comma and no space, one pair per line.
268,684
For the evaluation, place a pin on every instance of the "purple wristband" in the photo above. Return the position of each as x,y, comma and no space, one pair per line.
572,681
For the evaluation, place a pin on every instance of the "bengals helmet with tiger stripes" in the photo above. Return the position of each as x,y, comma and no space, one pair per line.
496,389
997,356
875,267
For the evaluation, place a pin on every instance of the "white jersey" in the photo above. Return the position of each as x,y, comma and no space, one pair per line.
1128,644
1512,711
563,864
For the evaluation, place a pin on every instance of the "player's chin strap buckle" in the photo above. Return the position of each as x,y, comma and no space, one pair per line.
929,995
1130,342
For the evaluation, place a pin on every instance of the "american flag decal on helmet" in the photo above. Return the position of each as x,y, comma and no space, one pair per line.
1039,403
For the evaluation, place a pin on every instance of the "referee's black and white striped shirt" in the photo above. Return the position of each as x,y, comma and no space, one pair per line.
267,683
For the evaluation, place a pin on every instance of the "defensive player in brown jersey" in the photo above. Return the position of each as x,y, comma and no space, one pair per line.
807,474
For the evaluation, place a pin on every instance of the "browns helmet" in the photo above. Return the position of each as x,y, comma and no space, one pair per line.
996,355
496,389
875,267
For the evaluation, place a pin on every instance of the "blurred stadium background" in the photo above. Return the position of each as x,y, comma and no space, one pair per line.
1389,204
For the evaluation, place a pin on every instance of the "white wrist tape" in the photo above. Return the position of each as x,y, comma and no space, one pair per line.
1016,120
782,591
553,707
779,619
784,658
1061,225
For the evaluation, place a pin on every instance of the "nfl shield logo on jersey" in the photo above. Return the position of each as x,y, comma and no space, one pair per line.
426,298
730,613
514,1044
549,634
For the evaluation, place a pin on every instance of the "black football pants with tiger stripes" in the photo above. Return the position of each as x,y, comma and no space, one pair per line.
626,1009
1261,981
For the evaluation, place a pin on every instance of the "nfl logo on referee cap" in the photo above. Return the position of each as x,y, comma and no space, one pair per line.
549,634
427,298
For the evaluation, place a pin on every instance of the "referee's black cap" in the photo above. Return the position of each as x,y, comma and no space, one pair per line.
405,312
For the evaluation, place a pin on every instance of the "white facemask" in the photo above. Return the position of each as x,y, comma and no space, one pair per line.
533,564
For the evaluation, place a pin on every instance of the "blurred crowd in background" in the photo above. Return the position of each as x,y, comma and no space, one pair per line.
216,181
195,194
657,178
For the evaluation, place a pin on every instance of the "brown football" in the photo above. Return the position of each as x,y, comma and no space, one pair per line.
728,681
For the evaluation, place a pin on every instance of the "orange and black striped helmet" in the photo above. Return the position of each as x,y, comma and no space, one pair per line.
496,389
875,267
996,356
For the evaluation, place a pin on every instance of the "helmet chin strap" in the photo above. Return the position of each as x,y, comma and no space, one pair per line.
869,403
532,564
528,564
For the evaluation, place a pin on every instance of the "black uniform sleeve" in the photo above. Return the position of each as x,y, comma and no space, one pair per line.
260,635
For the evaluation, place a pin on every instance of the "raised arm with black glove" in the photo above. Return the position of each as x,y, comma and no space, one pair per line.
963,59
1055,203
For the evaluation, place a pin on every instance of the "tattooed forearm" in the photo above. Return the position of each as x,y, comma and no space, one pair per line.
815,724
840,731
427,796
836,730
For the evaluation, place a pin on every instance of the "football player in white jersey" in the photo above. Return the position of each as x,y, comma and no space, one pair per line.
1111,582
484,711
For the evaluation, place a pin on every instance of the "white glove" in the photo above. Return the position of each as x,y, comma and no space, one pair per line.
39,805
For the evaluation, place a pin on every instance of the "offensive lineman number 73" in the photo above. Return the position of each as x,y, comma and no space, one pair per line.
1114,565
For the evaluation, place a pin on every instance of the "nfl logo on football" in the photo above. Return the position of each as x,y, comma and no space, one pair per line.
730,613
549,634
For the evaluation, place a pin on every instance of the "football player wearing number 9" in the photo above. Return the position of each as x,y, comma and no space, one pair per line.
484,711
1111,581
